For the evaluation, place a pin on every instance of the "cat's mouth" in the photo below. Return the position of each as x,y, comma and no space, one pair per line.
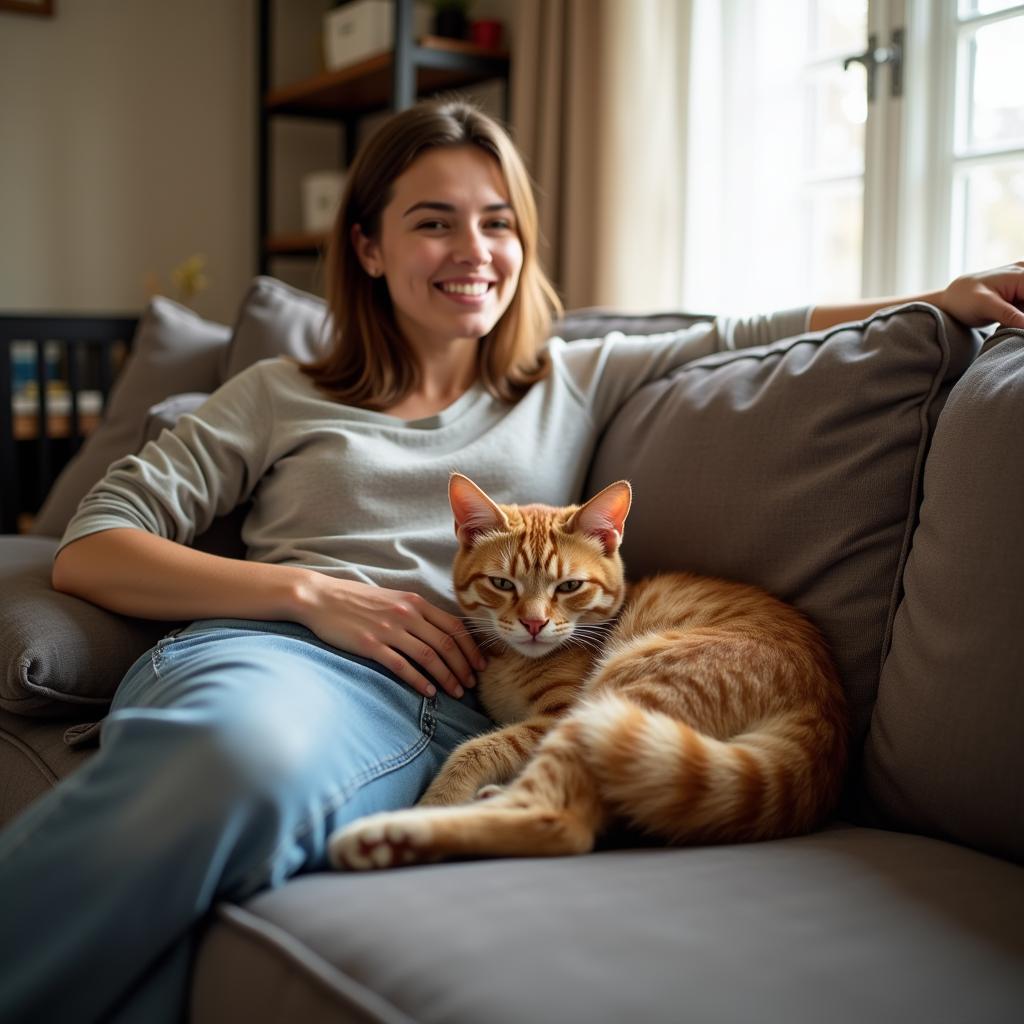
534,646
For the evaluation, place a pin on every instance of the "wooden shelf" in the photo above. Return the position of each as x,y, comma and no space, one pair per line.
298,244
366,86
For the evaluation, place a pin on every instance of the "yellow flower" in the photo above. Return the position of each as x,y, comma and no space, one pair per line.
189,278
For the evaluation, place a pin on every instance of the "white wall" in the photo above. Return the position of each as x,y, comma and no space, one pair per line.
126,145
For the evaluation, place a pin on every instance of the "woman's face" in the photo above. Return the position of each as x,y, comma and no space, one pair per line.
448,247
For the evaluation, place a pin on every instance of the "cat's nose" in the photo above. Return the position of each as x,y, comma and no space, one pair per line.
534,626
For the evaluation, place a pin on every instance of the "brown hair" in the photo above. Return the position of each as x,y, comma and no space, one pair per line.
368,361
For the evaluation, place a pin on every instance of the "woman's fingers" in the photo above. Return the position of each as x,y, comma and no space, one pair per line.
990,295
437,641
455,631
400,666
397,629
409,629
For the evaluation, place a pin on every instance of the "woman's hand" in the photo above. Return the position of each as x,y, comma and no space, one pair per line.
390,626
991,295
974,299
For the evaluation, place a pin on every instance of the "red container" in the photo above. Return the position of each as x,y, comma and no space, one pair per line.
486,33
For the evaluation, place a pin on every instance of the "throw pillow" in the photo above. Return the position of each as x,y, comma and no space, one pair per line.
944,753
795,466
274,319
173,350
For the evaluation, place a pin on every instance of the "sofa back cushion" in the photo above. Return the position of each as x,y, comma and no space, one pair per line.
173,350
944,753
796,467
596,322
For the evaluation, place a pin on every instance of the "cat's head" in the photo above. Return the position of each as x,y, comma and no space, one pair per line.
536,576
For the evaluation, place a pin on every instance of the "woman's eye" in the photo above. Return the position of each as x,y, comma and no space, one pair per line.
432,225
500,225
569,586
499,583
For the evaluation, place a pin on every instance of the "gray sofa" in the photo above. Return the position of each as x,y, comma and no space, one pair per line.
871,474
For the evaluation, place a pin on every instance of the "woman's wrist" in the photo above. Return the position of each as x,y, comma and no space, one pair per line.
301,595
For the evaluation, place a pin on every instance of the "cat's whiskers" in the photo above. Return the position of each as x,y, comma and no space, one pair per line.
586,643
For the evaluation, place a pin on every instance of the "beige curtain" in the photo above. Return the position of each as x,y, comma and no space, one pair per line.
598,111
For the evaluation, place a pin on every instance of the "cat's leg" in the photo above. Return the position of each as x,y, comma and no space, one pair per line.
551,809
494,758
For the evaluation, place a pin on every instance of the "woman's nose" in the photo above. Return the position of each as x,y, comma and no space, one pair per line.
471,247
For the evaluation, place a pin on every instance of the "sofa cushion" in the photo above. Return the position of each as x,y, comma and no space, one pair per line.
797,467
173,350
61,655
274,319
944,752
33,757
847,925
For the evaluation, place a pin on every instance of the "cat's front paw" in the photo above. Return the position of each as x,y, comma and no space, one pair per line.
381,841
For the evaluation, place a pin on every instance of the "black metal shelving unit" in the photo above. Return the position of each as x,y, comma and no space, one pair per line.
35,446
392,80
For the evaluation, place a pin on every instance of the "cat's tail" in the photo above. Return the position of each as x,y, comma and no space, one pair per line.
779,778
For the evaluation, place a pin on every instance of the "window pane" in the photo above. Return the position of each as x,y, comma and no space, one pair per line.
837,109
834,228
838,26
995,105
969,8
988,216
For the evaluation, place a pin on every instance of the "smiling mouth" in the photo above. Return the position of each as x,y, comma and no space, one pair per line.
475,290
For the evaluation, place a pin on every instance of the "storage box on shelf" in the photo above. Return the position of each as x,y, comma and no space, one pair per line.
364,28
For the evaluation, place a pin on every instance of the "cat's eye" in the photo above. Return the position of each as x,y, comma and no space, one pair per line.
569,586
500,583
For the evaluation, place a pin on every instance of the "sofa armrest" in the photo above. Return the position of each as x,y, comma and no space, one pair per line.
61,655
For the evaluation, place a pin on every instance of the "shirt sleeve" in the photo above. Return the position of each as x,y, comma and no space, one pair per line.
177,484
604,372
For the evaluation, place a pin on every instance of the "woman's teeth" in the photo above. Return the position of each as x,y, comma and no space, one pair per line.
465,289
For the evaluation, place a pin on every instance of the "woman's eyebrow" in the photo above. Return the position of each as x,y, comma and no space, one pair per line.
449,208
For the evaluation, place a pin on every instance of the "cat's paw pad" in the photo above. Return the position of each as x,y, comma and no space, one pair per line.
381,841
486,792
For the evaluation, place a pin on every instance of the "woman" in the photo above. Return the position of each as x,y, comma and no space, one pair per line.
305,693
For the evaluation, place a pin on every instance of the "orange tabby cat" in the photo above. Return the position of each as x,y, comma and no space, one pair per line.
709,711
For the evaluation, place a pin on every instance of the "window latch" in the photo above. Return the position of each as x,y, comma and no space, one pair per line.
875,56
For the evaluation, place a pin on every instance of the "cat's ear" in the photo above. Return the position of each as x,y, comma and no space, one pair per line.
604,516
474,512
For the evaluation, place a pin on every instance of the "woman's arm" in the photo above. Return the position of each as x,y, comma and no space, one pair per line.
137,573
975,299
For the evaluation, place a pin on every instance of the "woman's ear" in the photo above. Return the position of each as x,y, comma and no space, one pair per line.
368,251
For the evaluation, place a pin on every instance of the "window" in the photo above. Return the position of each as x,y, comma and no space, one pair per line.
987,167
851,147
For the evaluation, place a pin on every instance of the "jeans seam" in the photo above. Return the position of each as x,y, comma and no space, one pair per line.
428,726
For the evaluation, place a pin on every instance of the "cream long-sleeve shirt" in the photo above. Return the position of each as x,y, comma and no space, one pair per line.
363,495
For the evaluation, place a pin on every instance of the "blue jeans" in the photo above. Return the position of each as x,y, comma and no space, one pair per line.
233,749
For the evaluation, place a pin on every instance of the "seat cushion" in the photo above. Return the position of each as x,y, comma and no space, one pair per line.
945,754
797,467
847,925
33,757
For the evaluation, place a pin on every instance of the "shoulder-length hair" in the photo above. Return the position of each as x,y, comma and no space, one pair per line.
368,362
